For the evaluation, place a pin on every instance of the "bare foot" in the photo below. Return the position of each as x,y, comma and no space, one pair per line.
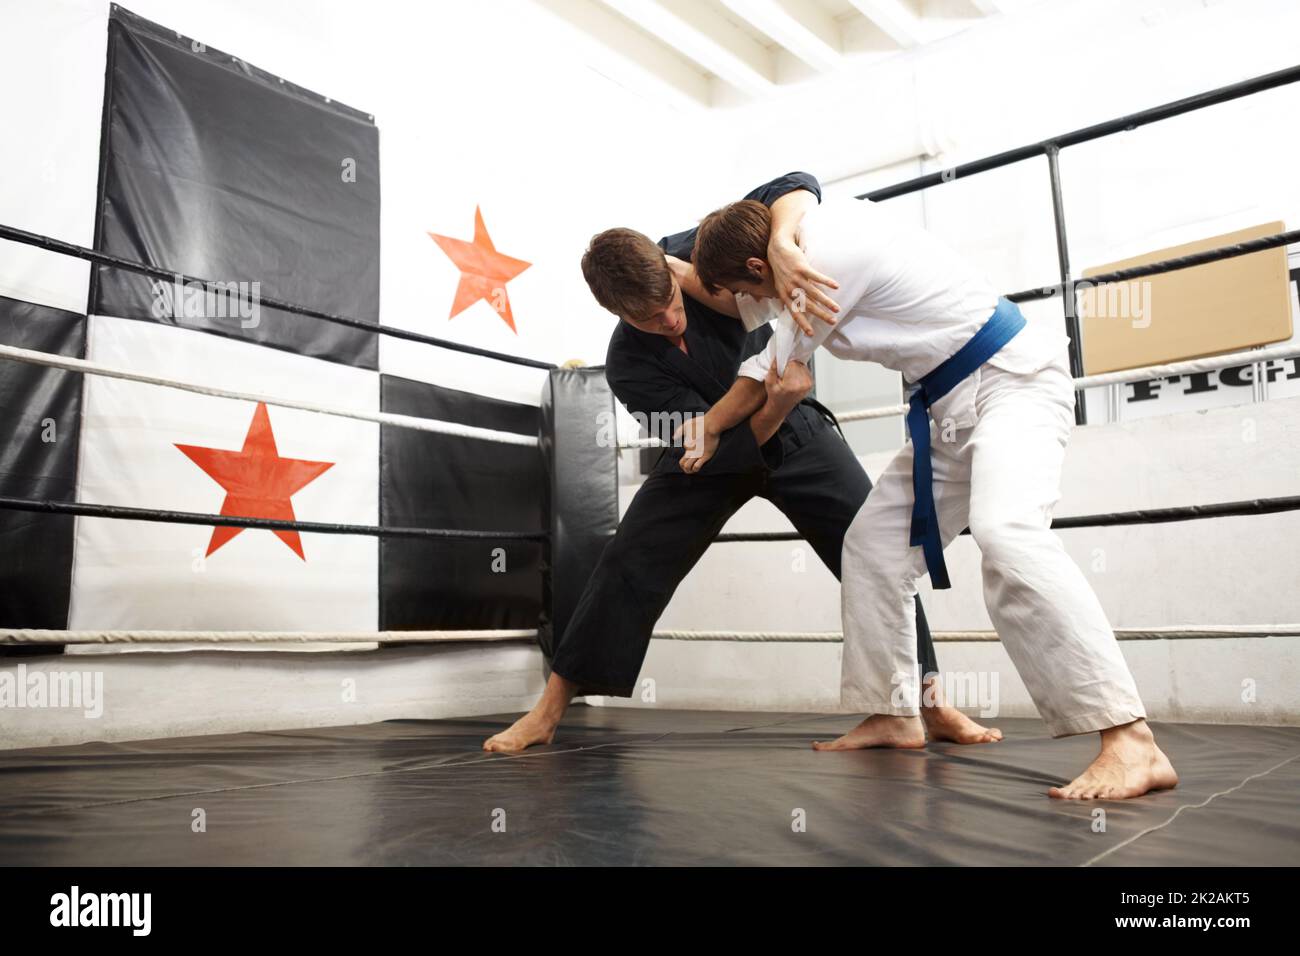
538,725
1129,765
529,730
949,723
880,730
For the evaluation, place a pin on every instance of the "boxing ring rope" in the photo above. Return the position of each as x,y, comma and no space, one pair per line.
34,637
31,637
1121,633
1203,364
88,510
71,364
129,265
1206,364
1112,519
1172,264
1049,148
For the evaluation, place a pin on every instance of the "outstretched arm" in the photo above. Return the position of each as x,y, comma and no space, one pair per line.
797,282
789,197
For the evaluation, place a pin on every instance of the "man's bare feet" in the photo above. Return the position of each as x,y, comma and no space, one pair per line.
949,723
528,731
1129,765
538,725
880,730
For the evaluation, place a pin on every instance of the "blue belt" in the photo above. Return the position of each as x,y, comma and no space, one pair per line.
1000,329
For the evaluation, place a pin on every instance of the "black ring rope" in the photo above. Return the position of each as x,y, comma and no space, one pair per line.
47,506
1150,516
1165,265
1255,506
129,265
1043,292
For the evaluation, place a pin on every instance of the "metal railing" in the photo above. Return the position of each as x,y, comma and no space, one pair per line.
1051,148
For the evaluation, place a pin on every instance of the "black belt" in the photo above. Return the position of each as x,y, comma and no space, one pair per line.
809,418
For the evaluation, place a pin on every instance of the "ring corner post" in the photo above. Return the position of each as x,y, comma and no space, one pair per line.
579,447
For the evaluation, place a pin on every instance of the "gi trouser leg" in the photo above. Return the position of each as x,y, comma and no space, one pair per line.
1002,476
821,487
667,527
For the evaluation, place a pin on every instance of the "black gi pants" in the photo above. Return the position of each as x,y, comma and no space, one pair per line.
670,523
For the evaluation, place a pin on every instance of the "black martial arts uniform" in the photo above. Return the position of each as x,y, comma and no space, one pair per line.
806,469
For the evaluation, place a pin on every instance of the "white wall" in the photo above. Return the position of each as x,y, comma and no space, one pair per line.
145,695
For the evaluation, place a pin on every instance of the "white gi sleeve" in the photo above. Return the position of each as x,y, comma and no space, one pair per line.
756,365
787,342
755,313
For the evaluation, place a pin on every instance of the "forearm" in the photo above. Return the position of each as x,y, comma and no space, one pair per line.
788,213
744,398
765,422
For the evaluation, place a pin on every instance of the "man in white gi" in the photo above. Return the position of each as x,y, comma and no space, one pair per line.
1000,393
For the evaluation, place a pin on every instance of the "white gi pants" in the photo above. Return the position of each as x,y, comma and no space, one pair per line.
1002,477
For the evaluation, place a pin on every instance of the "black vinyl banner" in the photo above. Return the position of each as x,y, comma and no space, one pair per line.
441,481
215,169
38,459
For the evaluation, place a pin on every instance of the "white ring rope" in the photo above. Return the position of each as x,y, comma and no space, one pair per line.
1183,632
34,636
1205,364
71,364
29,636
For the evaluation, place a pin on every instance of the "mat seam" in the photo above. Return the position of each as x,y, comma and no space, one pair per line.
1187,806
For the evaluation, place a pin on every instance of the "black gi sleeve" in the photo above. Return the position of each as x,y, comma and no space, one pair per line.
660,405
682,244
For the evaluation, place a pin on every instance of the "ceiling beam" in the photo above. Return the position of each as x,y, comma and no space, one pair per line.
624,53
698,33
810,35
895,19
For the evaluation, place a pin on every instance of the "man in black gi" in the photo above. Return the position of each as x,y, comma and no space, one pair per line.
675,355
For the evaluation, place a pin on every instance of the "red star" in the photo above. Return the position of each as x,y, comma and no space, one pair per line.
484,272
257,480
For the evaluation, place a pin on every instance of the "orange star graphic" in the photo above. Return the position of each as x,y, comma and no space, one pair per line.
257,480
484,272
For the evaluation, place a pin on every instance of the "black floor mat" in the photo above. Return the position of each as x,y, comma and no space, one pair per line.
627,786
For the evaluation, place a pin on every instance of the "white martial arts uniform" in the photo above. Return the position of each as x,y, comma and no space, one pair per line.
908,302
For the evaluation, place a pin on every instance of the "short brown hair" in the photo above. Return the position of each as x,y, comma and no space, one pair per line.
727,239
627,273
